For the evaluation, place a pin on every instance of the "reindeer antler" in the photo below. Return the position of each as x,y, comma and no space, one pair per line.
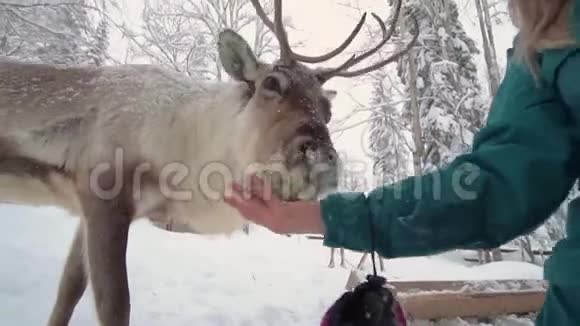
287,55
342,70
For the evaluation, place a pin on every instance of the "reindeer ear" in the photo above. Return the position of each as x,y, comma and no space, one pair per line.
237,57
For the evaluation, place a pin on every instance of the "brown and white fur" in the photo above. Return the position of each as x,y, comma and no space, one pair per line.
114,144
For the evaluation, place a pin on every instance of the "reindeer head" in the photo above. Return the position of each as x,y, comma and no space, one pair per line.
289,108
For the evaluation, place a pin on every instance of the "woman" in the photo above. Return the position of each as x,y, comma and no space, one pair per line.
523,164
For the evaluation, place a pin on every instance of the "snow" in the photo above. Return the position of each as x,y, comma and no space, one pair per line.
186,279
444,268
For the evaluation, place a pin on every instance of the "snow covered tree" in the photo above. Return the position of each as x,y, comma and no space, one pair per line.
388,130
484,16
389,145
101,40
183,35
54,31
448,92
498,11
447,105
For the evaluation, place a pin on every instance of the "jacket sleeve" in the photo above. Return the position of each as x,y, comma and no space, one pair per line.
519,172
566,80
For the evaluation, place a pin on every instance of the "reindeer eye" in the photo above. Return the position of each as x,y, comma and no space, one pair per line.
272,84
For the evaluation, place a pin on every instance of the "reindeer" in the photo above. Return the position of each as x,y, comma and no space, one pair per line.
331,263
115,144
361,263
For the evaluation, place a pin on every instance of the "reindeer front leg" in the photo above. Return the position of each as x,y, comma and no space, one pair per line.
73,282
331,262
342,260
107,231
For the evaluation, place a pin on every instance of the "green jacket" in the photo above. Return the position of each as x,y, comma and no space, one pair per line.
523,164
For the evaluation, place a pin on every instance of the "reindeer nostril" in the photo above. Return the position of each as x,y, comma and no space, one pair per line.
306,146
313,151
332,157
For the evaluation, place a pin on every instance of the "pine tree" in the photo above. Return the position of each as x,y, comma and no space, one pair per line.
98,52
449,94
387,134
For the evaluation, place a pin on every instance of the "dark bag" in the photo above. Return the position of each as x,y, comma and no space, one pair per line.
369,304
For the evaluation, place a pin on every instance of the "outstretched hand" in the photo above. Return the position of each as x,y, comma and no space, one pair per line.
260,205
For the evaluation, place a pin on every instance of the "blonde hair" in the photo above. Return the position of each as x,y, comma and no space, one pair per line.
542,24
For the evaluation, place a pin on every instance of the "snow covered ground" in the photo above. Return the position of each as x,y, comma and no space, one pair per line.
184,279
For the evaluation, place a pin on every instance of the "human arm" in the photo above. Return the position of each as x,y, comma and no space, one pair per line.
521,168
503,189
